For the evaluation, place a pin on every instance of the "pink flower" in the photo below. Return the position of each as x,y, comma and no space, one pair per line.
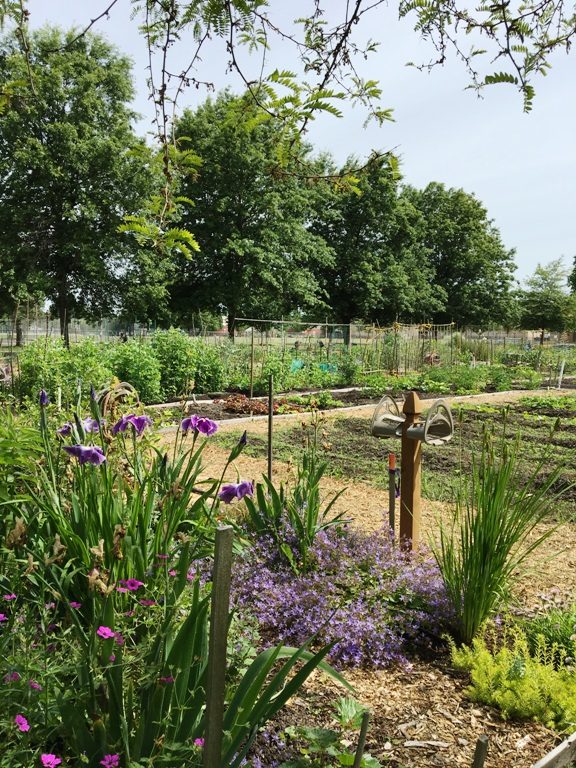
167,680
105,632
74,604
118,637
147,603
172,572
110,761
198,742
133,584
3,617
21,723
34,685
49,761
112,658
12,596
11,677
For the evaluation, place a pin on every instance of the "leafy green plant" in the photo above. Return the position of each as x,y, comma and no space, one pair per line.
135,362
175,353
209,367
481,550
557,627
505,675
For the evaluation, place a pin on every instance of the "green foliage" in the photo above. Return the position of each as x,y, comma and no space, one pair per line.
209,367
135,362
557,627
20,448
175,353
492,531
545,300
518,683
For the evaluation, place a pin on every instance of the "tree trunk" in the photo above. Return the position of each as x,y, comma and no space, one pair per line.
19,332
64,319
231,323
542,337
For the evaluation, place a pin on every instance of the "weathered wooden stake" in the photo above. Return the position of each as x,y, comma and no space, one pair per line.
219,619
361,740
270,422
410,513
252,366
481,751
391,490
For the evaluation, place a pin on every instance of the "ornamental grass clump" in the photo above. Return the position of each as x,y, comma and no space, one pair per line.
495,526
373,601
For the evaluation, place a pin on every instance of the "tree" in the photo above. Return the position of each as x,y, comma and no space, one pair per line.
378,273
572,277
545,302
248,214
467,255
70,169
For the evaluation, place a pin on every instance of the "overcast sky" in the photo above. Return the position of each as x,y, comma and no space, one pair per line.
521,166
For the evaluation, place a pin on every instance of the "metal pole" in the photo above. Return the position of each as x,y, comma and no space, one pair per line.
270,422
219,619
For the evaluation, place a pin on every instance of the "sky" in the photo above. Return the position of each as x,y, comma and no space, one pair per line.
522,167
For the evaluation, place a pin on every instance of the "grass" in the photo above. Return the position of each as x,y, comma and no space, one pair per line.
352,453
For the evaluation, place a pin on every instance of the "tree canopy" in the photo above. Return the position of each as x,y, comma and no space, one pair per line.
544,302
70,169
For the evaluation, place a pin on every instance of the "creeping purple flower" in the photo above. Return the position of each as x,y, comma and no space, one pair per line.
43,398
110,761
138,422
65,430
21,723
86,454
236,491
105,632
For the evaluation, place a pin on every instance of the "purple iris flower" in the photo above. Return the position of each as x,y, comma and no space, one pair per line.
236,491
198,424
86,454
65,430
44,399
138,422
90,425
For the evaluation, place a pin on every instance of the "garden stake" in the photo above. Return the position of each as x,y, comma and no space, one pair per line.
481,751
391,490
270,420
361,740
219,619
410,479
252,366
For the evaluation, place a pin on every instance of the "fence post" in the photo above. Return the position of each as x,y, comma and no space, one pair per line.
252,365
481,751
219,618
410,476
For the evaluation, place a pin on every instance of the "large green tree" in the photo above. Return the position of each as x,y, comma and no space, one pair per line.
249,214
465,250
70,168
545,302
379,272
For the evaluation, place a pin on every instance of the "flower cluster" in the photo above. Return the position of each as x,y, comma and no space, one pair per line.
374,601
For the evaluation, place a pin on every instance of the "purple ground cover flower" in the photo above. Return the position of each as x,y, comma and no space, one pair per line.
376,602
21,723
86,454
110,761
233,491
138,422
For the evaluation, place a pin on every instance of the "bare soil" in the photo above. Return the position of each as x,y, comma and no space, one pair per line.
420,714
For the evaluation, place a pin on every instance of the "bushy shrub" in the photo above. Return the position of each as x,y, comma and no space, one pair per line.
557,626
520,684
135,362
209,371
86,362
175,353
374,601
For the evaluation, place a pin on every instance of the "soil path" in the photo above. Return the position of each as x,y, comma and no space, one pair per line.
420,715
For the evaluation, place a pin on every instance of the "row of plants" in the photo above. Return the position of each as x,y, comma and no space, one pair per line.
169,365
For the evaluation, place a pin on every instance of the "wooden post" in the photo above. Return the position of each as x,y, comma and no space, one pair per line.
361,740
219,619
252,365
270,422
391,491
410,478
481,751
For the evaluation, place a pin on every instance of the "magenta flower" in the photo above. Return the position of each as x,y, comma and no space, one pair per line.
105,632
43,398
34,685
21,723
3,617
236,491
86,454
49,760
112,658
198,742
147,603
74,604
133,584
11,596
138,422
110,761
11,677
167,680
